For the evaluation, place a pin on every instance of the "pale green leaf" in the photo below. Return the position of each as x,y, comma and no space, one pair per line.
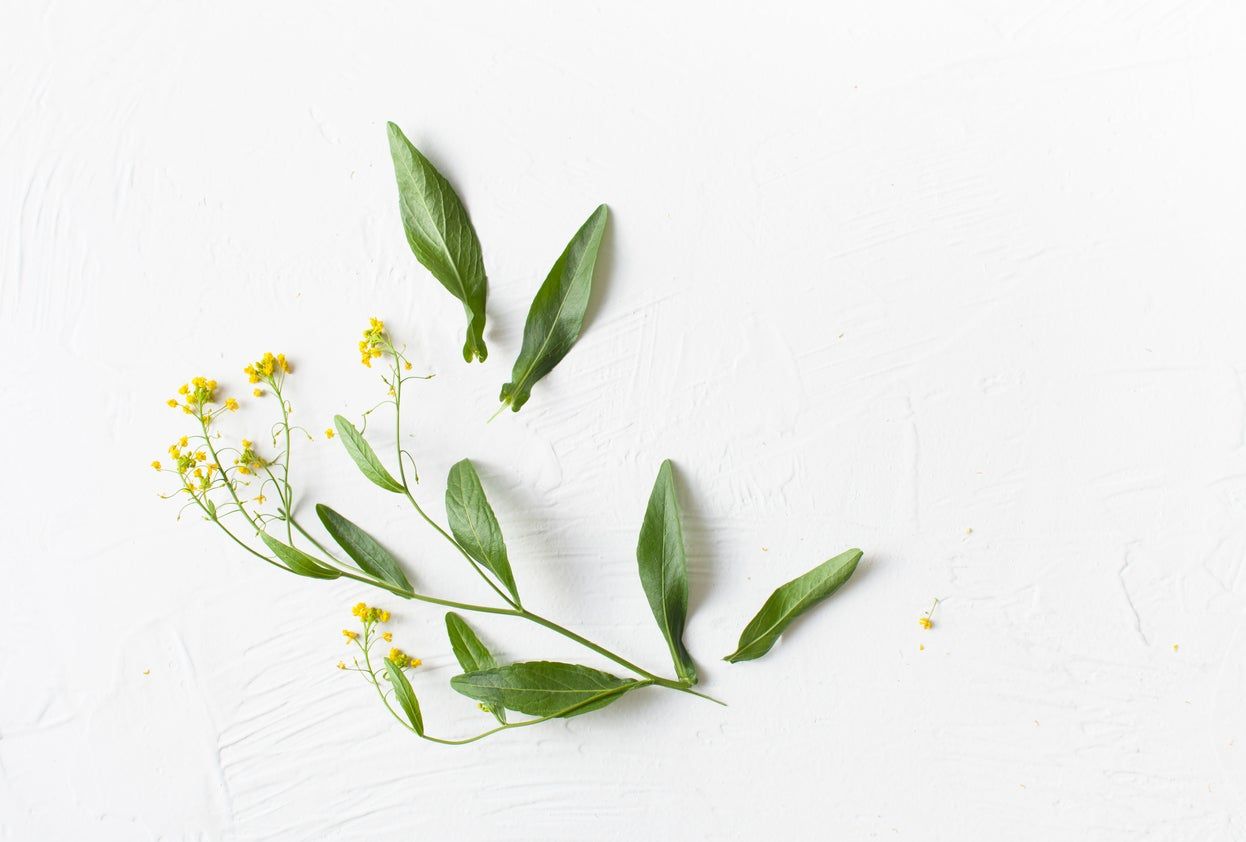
441,235
472,655
298,561
543,688
664,569
790,601
371,557
474,525
364,456
557,313
405,695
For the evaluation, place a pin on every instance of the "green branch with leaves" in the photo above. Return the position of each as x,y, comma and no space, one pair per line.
231,486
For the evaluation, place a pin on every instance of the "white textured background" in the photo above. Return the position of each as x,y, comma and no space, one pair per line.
877,276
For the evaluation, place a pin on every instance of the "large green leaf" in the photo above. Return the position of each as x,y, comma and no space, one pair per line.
543,688
474,525
472,655
298,561
557,313
371,557
790,601
441,235
365,457
664,568
405,695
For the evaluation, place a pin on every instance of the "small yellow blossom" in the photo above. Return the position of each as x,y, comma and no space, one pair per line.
382,615
246,444
341,665
183,389
231,404
259,393
414,662
328,433
183,441
260,498
171,402
350,635
925,622
388,637
200,456
406,366
156,465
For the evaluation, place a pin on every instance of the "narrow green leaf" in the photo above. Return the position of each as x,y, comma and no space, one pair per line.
405,695
371,557
543,688
664,568
365,457
298,561
441,235
474,525
790,601
557,313
472,655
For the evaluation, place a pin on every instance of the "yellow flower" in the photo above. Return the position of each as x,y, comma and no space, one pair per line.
328,433
382,615
925,622
388,637
200,456
246,444
282,364
349,635
341,665
156,465
360,609
171,402
183,389
260,498
183,441
406,366
414,662
259,393
231,404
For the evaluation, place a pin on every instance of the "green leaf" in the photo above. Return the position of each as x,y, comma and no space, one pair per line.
664,569
371,557
441,235
473,656
298,561
474,525
790,601
405,695
543,688
365,457
557,313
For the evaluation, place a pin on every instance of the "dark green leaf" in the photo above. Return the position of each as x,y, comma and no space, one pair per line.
405,695
441,235
790,601
371,557
557,312
472,655
474,525
543,688
298,561
664,569
365,457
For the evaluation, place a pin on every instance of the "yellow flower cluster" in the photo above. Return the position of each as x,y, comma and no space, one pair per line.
370,347
266,368
370,614
402,659
196,395
248,460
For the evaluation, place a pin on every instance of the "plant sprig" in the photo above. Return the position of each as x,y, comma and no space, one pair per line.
216,477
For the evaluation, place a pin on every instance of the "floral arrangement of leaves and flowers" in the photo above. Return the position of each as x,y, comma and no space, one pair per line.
245,491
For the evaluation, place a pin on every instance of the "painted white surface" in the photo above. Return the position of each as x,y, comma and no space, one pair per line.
879,274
